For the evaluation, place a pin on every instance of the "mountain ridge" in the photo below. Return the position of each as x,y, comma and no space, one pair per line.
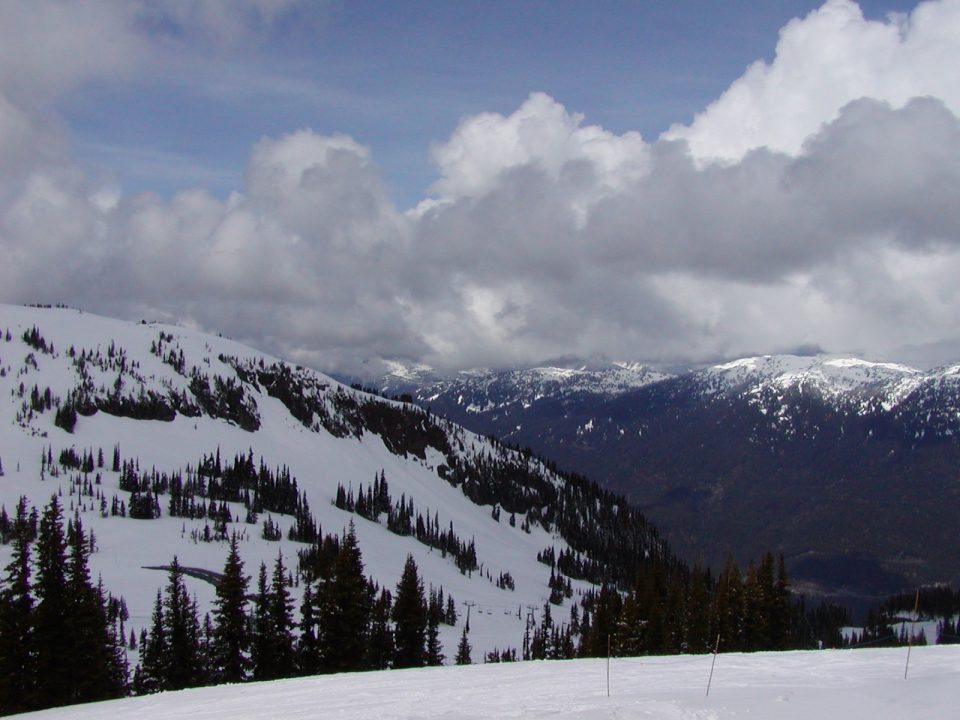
167,400
791,452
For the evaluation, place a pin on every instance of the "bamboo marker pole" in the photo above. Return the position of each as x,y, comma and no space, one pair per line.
712,664
913,625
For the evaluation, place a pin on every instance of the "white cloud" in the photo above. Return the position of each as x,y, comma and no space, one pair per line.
540,134
549,236
824,61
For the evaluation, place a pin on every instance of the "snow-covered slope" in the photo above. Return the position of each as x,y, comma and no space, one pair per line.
830,375
167,396
490,390
773,686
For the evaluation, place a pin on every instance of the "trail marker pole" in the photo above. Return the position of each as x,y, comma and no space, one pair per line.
913,625
713,664
608,665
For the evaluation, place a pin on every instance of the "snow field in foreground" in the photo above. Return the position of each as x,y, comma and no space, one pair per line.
771,686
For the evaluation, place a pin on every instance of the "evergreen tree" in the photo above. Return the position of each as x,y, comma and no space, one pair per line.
262,650
281,612
380,642
606,615
150,675
698,613
308,649
182,665
434,616
17,646
781,613
52,616
410,618
463,650
727,611
116,641
93,643
273,653
231,624
344,610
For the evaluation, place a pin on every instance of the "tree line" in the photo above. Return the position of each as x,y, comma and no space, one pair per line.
61,636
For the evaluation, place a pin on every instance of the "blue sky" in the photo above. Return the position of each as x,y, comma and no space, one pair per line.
475,184
398,76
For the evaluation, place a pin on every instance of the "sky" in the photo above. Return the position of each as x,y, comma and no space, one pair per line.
490,183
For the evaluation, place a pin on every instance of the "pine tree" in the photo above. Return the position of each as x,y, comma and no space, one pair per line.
434,616
150,675
281,612
262,650
698,612
182,666
231,624
116,637
17,646
380,642
273,653
410,618
344,610
308,649
463,650
92,640
727,610
781,612
607,610
52,623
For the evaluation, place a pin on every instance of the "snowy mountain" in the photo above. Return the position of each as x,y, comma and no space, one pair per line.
774,686
502,394
846,465
137,428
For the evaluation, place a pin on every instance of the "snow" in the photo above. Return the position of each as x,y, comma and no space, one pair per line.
852,381
318,460
494,390
771,686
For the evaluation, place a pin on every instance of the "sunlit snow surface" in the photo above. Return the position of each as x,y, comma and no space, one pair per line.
766,686
128,548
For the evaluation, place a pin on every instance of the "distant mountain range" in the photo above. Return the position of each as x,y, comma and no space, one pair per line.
850,467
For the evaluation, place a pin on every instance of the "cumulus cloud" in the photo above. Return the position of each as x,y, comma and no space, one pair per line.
539,134
832,221
823,62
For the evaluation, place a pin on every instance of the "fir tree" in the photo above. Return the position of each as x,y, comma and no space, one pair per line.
262,650
17,646
150,675
781,612
308,650
380,642
273,653
344,610
52,617
231,634
434,616
727,611
281,612
92,638
410,618
463,650
182,665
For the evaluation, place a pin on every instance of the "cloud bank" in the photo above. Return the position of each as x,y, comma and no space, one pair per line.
813,203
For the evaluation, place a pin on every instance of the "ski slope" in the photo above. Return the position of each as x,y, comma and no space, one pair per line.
766,686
